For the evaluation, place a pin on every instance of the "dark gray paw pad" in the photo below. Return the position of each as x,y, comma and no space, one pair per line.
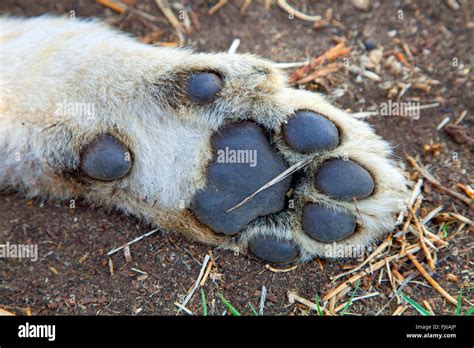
308,132
344,180
327,225
203,87
243,162
273,250
106,159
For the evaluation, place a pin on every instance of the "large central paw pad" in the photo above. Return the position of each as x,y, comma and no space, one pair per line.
243,162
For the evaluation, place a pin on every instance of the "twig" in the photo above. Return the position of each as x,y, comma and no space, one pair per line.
430,280
277,270
334,52
415,193
366,73
443,123
196,285
435,182
431,263
245,5
389,274
428,307
284,5
427,106
461,218
460,117
292,297
467,190
111,267
127,254
267,4
364,114
431,215
206,274
195,20
323,71
403,90
4,312
342,305
217,7
168,13
290,65
181,307
263,298
113,5
121,8
407,50
400,310
426,240
233,47
113,251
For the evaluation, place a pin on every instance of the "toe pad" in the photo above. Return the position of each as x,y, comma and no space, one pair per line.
203,87
344,180
308,132
273,250
106,159
327,225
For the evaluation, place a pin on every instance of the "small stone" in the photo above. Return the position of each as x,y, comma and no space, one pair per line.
370,44
362,5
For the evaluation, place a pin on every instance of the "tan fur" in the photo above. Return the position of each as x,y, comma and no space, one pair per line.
139,95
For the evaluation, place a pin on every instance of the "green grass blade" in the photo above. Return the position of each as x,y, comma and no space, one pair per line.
470,311
348,304
204,303
415,305
229,306
318,307
444,229
458,308
252,308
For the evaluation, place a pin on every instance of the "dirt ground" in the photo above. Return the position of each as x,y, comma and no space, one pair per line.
73,275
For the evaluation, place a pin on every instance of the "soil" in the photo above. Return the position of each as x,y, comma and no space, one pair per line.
73,275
